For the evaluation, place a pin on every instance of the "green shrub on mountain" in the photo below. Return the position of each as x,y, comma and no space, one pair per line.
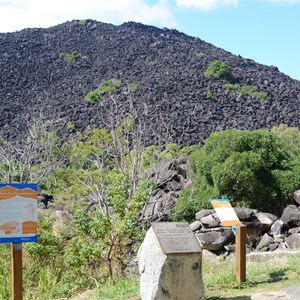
105,88
70,57
248,90
219,69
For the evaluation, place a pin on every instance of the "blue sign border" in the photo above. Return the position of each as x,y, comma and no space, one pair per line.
23,239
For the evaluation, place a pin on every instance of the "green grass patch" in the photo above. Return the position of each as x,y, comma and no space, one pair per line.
46,281
265,275
119,289
219,279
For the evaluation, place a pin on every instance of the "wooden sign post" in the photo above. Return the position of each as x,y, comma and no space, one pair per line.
228,217
18,224
16,267
240,253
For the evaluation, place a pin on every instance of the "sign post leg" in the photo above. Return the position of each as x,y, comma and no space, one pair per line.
16,259
240,253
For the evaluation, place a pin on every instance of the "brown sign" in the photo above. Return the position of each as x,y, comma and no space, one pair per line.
176,237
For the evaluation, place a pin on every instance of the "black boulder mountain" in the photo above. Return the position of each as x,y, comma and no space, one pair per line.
46,73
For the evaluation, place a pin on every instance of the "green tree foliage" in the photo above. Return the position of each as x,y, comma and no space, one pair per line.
220,70
252,168
105,170
290,137
105,88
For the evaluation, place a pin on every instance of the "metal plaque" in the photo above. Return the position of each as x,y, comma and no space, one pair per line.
176,237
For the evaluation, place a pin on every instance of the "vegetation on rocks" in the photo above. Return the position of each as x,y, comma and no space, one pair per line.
167,65
223,71
248,90
219,69
209,95
70,57
105,88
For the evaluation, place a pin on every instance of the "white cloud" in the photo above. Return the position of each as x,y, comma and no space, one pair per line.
19,14
206,5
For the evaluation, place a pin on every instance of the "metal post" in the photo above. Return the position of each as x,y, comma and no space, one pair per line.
16,266
240,253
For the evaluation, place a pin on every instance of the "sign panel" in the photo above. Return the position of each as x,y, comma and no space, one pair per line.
176,237
18,212
225,212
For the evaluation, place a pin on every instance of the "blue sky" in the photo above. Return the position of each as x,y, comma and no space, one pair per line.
267,31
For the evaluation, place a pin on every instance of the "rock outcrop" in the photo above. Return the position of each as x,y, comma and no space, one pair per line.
46,73
265,231
169,177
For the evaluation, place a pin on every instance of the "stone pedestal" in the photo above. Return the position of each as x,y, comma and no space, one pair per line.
173,276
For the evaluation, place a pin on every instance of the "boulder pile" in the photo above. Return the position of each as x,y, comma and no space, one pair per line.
47,72
169,177
265,231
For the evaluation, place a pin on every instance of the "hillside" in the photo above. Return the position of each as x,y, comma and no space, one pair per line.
39,81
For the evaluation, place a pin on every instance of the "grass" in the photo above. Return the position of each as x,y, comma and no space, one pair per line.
219,280
118,289
267,275
122,289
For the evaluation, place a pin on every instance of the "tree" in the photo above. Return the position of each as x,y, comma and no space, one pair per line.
34,159
105,188
251,168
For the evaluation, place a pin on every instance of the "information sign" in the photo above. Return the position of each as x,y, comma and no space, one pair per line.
225,212
176,237
18,212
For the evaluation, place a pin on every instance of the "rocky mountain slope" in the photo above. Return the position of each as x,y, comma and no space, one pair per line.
46,73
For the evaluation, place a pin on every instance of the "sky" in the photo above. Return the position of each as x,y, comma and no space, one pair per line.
267,31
